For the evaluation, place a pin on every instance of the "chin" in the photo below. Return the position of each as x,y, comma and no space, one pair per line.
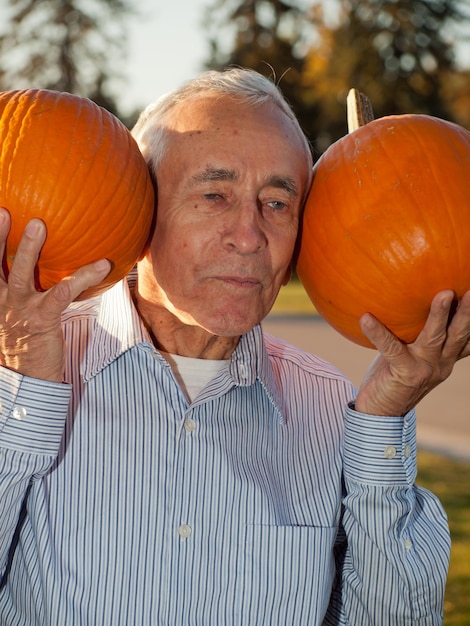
231,326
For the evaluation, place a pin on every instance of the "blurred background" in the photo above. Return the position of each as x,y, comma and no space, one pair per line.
408,56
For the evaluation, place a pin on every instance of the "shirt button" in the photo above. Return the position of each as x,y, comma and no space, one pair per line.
19,412
184,531
190,425
407,452
390,452
408,544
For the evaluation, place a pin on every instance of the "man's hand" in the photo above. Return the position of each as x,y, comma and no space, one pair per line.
31,340
403,374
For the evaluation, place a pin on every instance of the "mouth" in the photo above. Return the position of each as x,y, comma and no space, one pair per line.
241,282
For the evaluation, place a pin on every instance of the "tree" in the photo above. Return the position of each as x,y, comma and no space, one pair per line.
65,45
270,36
399,52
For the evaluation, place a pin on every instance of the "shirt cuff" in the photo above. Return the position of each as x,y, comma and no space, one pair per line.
379,450
32,413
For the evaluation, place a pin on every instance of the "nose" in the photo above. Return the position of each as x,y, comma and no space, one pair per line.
245,231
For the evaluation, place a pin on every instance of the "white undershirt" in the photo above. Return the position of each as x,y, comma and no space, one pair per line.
194,374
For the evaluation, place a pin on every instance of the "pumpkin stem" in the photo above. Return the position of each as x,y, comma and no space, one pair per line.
360,110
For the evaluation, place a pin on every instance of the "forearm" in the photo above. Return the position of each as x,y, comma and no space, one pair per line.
395,565
32,419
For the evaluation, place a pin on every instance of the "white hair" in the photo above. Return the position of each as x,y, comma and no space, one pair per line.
249,86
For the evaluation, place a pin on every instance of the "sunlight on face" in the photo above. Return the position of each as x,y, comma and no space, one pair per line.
230,189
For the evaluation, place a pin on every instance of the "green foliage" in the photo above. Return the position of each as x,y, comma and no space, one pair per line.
398,52
450,480
270,36
65,45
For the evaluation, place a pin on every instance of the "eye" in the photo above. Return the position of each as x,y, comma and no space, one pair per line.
211,202
277,205
212,196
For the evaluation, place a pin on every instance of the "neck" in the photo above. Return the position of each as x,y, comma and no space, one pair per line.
171,335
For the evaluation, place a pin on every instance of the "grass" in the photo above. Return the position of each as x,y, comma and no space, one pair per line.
449,479
293,300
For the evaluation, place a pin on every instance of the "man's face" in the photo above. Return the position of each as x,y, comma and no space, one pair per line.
230,188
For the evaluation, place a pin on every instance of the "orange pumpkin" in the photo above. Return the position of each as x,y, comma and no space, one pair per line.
73,164
387,224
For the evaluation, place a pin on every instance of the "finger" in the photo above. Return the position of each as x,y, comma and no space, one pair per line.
65,292
21,276
434,332
458,332
383,339
465,352
431,339
4,230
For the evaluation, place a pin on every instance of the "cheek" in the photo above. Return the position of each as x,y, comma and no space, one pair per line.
282,254
173,257
169,241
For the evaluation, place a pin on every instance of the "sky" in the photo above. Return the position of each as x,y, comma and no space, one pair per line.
166,47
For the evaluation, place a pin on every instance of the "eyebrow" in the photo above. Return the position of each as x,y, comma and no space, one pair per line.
285,183
214,174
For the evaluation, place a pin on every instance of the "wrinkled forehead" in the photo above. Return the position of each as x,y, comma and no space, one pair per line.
196,128
210,112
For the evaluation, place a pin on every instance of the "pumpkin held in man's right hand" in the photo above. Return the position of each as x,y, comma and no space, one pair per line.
73,164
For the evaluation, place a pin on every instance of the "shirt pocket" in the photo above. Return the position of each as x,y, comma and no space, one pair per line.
286,574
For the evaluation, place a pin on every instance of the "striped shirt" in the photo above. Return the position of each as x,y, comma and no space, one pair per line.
267,500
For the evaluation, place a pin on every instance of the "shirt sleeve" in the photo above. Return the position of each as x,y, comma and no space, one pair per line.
393,568
32,417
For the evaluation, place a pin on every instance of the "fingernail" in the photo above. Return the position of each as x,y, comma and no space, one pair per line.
367,320
33,228
447,302
103,265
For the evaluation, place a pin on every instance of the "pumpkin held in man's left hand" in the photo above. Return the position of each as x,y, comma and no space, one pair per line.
74,165
387,224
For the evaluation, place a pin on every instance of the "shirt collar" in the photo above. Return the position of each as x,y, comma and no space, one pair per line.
250,362
118,327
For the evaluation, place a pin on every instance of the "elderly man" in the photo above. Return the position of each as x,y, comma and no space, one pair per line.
162,460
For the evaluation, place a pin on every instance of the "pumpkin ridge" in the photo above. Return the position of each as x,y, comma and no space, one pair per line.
8,148
128,240
74,156
125,176
445,199
80,174
19,123
363,246
105,194
387,224
439,146
422,214
39,110
8,143
405,187
35,128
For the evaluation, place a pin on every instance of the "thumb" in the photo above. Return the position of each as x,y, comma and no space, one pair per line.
69,288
